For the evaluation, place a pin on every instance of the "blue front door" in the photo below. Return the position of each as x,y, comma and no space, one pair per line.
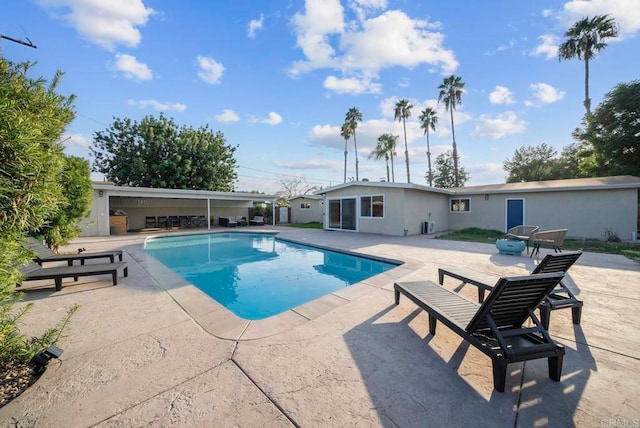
515,212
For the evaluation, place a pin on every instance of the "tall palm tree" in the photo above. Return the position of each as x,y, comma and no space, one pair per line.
584,39
428,120
346,134
386,148
451,95
403,112
351,121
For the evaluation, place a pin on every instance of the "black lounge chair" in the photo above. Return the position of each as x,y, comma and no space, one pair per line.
33,272
561,297
44,254
495,327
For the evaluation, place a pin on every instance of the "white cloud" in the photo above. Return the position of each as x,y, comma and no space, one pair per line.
546,13
254,25
501,95
544,94
105,23
351,85
131,68
486,173
548,46
210,70
227,115
75,140
321,19
273,119
393,39
503,124
157,105
367,45
625,12
501,48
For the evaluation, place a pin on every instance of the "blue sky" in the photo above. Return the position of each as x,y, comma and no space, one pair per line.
278,77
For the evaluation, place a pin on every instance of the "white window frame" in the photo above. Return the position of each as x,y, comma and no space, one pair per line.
384,211
305,205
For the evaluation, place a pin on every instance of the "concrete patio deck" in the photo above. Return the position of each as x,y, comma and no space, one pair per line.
150,352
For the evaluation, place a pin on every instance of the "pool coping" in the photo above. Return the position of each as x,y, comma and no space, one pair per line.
220,322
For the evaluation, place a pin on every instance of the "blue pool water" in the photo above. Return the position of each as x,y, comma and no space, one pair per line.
256,275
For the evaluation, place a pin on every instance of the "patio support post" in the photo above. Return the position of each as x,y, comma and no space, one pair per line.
208,213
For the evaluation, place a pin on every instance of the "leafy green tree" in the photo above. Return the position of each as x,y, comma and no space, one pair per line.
584,39
158,153
33,116
614,131
428,121
345,133
444,175
77,195
386,148
530,163
403,112
351,121
574,162
451,94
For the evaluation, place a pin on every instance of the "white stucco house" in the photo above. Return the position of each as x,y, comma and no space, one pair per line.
306,208
117,209
587,207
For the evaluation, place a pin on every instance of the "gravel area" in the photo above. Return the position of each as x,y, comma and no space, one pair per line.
16,378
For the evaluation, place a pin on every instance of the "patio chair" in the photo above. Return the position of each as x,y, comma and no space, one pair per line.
162,222
44,254
559,298
495,327
548,238
33,272
150,222
227,222
257,220
524,233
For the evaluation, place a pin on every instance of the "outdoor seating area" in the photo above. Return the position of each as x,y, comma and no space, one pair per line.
560,297
175,222
233,221
495,327
350,357
548,239
34,272
44,254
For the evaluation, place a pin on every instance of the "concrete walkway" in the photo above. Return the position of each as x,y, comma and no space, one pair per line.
135,354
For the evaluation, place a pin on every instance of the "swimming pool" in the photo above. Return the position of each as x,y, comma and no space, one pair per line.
256,275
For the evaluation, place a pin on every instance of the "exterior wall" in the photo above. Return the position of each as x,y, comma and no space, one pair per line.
306,215
393,221
586,213
97,224
420,207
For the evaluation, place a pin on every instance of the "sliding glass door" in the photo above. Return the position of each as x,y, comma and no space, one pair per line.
342,214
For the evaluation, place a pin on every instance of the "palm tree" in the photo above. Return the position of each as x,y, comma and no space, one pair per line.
386,148
428,120
584,39
351,121
451,94
346,134
403,111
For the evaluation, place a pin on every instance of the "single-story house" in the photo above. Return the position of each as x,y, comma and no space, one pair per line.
122,208
587,207
306,208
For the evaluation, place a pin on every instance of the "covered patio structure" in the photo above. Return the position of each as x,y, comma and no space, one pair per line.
118,209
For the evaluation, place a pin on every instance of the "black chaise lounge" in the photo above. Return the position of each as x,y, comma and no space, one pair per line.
44,254
561,297
495,327
33,272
